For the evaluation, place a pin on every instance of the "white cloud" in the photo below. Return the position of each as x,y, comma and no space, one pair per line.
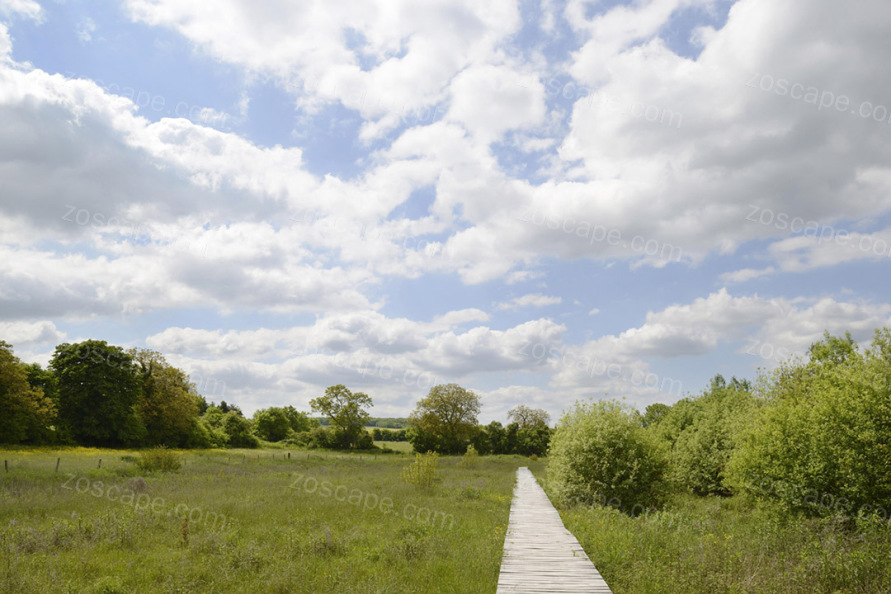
530,300
26,8
30,334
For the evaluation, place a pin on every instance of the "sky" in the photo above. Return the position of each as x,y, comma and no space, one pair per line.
541,201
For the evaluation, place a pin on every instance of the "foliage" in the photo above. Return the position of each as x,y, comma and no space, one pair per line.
272,424
470,457
99,388
654,414
168,402
346,411
822,440
158,459
528,418
238,431
532,441
26,410
703,448
601,453
445,420
423,471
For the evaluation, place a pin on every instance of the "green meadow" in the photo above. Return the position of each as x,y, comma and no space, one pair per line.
249,521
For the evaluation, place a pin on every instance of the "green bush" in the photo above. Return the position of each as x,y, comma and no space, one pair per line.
821,441
158,459
600,453
703,448
470,457
422,472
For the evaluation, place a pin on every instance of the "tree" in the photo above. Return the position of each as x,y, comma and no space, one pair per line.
168,402
26,410
527,417
272,424
99,387
446,420
601,454
703,449
238,431
347,413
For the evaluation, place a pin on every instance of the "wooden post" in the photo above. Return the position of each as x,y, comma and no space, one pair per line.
289,455
57,464
6,465
100,462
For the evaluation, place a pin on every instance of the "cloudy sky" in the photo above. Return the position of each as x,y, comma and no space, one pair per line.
539,200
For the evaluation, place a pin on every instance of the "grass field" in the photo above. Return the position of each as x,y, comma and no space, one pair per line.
734,544
399,446
230,522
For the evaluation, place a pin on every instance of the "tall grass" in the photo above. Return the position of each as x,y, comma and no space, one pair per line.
736,544
228,522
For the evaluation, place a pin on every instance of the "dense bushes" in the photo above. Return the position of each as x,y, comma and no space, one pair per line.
601,453
822,440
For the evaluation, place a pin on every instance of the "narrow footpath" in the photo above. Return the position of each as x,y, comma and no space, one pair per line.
540,554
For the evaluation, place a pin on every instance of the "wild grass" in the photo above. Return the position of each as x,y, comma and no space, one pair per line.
230,522
735,544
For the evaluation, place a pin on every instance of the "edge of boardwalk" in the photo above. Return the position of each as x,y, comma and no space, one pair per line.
540,554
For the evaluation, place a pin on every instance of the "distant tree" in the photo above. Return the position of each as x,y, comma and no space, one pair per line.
238,431
168,402
346,411
297,420
26,410
533,440
272,424
446,420
99,388
527,417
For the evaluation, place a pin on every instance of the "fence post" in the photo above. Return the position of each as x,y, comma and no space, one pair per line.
57,464
100,462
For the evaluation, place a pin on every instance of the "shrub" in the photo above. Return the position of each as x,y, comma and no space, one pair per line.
422,472
601,453
158,459
470,458
821,441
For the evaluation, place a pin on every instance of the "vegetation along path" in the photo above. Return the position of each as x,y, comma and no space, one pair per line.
540,554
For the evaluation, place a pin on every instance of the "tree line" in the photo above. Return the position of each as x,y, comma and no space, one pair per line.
101,395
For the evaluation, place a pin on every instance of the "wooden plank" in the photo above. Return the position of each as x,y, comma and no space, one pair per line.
540,554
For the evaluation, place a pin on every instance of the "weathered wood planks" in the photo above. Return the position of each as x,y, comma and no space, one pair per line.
540,554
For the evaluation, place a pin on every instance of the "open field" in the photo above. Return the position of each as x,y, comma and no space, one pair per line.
230,522
734,544
399,446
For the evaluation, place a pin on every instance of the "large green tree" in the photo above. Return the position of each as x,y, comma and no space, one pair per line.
346,411
99,388
445,420
25,412
168,402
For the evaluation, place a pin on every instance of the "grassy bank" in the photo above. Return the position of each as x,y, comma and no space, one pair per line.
230,522
731,544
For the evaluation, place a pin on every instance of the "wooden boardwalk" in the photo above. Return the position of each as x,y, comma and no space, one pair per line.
540,554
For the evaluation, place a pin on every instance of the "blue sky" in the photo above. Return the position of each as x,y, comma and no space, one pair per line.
541,201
